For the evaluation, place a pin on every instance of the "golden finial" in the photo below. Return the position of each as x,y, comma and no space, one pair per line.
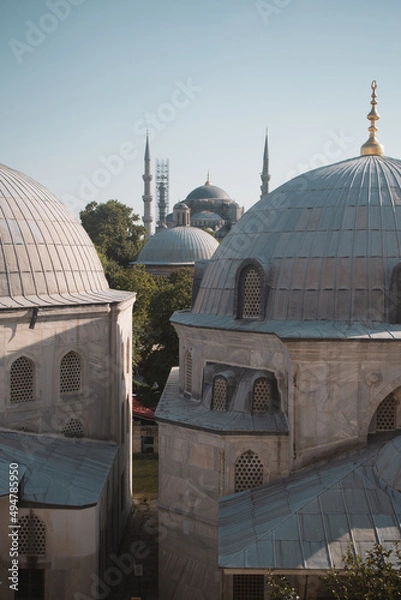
372,146
207,182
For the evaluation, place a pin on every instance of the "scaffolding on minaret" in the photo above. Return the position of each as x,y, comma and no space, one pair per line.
162,191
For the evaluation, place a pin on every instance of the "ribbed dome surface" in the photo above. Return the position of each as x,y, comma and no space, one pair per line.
44,250
179,245
328,241
206,192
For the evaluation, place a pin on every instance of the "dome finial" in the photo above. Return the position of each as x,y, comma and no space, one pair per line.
207,182
372,146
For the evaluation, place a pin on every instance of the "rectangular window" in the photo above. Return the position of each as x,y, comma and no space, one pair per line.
31,584
246,587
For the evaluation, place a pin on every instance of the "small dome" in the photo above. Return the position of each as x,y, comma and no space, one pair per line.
46,255
178,246
328,242
207,192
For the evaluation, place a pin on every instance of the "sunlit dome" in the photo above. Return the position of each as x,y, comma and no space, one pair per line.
328,242
178,246
46,255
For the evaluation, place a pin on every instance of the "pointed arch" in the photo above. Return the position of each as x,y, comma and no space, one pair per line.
70,373
219,393
22,380
32,535
251,291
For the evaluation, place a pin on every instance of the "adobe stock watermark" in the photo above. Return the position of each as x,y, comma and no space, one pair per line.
36,33
153,122
267,10
333,149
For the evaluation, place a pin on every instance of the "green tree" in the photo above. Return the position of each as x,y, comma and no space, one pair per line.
372,578
114,230
161,345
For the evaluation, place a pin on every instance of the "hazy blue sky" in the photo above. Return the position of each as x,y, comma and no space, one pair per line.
81,79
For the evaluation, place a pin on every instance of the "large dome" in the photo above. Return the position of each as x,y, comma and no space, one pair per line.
46,255
207,192
178,246
327,241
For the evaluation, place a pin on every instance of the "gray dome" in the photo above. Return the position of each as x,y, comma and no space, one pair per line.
206,215
328,242
46,255
178,246
207,192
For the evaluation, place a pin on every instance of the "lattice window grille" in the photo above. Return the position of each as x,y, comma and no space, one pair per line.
251,289
31,535
220,393
22,380
385,415
70,373
188,372
262,396
73,428
248,586
248,471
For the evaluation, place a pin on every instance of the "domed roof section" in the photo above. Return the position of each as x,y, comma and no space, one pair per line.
327,243
206,215
46,256
178,246
207,192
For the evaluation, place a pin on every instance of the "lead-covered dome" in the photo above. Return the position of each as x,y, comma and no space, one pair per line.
207,192
46,256
324,246
178,246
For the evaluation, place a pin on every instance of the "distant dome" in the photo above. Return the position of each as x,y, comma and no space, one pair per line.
178,246
206,215
328,242
46,255
207,192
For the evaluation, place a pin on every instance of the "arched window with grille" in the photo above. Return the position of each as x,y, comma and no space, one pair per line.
70,373
188,372
385,414
265,397
250,301
73,428
22,380
31,535
219,394
248,471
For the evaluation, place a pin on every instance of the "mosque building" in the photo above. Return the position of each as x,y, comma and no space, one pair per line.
271,449
65,410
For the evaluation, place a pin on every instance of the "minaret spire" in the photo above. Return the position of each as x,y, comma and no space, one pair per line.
147,195
265,176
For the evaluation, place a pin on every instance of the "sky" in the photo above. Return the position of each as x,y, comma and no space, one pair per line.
82,80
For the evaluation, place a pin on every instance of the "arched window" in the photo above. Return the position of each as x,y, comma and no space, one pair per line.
248,471
265,396
385,415
188,372
70,373
219,398
22,380
250,293
73,428
31,535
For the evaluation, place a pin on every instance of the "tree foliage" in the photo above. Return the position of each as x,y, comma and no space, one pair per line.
372,578
114,230
161,344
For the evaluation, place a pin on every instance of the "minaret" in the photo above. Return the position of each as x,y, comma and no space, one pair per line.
147,196
265,177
